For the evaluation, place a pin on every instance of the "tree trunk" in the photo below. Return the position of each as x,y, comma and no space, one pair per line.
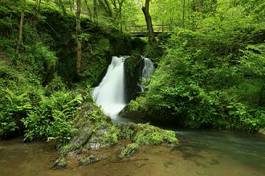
107,8
183,13
20,34
78,42
95,10
148,19
88,10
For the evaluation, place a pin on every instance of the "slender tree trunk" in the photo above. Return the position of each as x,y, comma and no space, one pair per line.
78,42
20,34
95,10
148,19
106,6
88,10
183,13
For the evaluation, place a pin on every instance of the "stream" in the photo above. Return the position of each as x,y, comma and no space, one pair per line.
201,153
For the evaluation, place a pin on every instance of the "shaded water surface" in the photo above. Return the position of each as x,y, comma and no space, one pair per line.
200,154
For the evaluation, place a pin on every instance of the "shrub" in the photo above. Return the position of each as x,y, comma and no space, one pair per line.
52,119
199,82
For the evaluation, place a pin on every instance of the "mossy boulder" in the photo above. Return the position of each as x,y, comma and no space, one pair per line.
145,134
129,150
95,130
88,160
262,131
148,134
133,72
60,163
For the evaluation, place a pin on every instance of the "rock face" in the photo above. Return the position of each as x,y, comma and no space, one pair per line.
133,72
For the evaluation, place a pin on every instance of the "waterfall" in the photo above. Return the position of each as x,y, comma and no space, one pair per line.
110,93
147,72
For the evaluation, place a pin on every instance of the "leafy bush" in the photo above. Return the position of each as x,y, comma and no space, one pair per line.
18,95
199,82
52,119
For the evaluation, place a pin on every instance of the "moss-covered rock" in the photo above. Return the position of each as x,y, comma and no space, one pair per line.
129,150
133,67
262,131
95,130
144,134
148,134
60,163
88,160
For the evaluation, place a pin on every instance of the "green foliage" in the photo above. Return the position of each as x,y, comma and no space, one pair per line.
18,95
52,119
56,84
208,80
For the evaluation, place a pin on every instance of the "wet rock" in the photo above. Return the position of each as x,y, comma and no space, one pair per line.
145,134
133,71
148,134
262,131
60,163
88,160
129,150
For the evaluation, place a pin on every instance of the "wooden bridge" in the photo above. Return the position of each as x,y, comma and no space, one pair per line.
141,30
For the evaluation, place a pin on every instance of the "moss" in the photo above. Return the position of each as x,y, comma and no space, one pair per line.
144,134
127,131
60,163
88,160
129,150
111,136
262,131
147,134
133,67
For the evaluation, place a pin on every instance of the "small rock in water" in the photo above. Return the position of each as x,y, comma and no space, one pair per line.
59,163
129,150
88,160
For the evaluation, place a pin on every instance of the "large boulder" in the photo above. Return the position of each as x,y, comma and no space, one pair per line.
133,72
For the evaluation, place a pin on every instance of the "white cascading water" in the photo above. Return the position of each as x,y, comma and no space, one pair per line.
147,72
110,94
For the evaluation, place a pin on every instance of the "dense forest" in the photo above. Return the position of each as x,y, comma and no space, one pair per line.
206,60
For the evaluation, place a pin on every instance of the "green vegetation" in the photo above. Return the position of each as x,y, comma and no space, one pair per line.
210,59
40,90
211,76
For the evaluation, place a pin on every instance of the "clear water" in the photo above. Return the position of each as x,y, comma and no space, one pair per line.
202,153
